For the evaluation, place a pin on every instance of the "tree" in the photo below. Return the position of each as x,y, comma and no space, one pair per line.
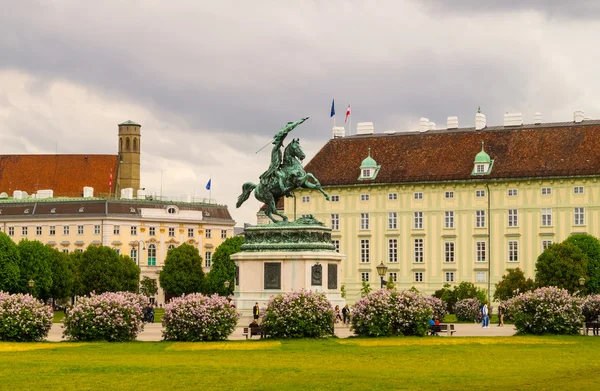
148,286
75,259
561,265
131,275
464,290
223,268
182,273
513,283
62,275
365,289
101,270
590,246
9,264
34,264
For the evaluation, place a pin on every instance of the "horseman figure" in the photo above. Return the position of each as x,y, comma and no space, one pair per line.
285,174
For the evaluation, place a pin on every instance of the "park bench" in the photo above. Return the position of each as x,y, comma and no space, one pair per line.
590,326
443,328
250,331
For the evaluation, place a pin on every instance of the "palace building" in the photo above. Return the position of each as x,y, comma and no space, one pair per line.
448,205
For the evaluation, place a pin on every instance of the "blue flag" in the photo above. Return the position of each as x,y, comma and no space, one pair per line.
332,108
208,184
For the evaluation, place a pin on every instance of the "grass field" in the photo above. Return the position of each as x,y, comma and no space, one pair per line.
523,363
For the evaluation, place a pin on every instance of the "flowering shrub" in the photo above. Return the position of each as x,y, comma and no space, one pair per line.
111,316
467,309
387,313
590,304
23,318
196,317
547,310
300,314
438,307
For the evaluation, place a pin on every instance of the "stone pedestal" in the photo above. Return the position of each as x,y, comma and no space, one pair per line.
277,259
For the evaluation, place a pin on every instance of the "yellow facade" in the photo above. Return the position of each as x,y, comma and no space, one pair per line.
530,227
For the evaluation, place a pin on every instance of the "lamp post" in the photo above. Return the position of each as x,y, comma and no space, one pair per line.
141,245
581,285
227,284
31,284
381,270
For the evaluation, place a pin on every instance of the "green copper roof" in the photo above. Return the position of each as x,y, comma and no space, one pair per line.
129,122
482,157
369,162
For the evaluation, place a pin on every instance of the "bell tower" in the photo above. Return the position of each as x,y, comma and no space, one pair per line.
129,157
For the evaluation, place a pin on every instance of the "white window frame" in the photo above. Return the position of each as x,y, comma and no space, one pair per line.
392,196
336,243
52,230
151,231
546,214
364,221
335,221
365,255
223,234
418,195
190,232
419,250
513,217
418,220
480,276
480,219
578,190
335,198
449,195
365,276
513,251
392,220
38,231
449,252
513,192
305,199
133,254
11,231
449,219
171,232
480,168
449,277
546,243
479,193
481,251
116,230
66,230
418,277
365,197
96,230
23,231
393,250
208,233
151,256
207,258
366,173
579,216
133,230
80,230
393,276
546,191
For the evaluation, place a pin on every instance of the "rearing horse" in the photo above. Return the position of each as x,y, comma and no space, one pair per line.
290,174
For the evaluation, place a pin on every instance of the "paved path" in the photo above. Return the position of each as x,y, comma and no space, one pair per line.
153,332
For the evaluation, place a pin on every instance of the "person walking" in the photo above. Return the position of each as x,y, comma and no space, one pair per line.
255,311
500,315
346,314
485,317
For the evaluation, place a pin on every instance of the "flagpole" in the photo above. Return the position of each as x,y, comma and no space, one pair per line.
210,189
350,123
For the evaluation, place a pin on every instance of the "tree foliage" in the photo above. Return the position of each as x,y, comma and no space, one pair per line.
223,268
103,270
465,290
182,273
34,264
131,275
365,289
75,259
9,264
590,246
513,283
561,265
62,275
148,286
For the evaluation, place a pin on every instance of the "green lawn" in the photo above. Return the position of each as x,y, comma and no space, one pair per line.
430,363
158,314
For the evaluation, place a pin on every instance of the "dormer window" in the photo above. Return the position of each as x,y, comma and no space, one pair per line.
483,163
368,168
172,210
366,173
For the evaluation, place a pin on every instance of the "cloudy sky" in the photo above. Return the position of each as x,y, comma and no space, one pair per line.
212,81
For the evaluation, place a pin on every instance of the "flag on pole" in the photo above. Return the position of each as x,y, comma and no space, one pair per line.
347,113
208,184
110,181
332,108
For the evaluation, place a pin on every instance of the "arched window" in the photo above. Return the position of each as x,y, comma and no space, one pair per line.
171,246
133,255
127,145
135,146
152,255
120,144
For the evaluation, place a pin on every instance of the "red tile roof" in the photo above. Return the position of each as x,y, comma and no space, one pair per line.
547,150
65,174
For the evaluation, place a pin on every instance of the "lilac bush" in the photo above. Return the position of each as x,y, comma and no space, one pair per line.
111,316
547,310
467,309
196,317
590,304
389,312
300,314
23,318
438,307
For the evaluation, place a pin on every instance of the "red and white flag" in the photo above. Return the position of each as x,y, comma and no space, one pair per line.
110,181
347,114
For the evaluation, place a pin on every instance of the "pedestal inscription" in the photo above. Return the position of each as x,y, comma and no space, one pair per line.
317,275
272,275
332,276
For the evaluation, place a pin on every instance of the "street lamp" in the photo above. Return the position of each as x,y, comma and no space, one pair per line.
141,245
381,270
227,284
581,281
31,284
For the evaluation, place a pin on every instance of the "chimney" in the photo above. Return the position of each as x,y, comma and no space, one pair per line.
88,192
338,131
513,119
578,116
431,125
452,123
365,128
537,118
480,121
424,124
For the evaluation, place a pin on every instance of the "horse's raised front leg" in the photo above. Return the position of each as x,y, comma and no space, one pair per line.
316,185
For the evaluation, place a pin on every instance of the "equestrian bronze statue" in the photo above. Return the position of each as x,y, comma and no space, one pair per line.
284,175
